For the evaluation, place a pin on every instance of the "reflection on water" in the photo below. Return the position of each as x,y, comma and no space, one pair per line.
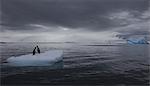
12,70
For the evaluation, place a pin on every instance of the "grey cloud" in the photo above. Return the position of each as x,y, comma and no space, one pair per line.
27,18
68,13
135,30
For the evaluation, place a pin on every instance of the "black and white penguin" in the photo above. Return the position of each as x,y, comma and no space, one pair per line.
38,49
34,51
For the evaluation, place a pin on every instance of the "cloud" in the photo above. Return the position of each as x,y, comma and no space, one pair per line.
134,30
124,17
62,35
68,19
131,23
66,13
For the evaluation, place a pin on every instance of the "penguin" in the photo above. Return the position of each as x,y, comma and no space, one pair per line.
34,51
38,49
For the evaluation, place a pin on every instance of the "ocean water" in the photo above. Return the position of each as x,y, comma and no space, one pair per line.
83,64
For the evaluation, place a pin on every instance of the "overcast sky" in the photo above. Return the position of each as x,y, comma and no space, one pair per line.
73,20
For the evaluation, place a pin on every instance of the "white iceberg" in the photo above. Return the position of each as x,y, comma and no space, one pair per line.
43,59
137,41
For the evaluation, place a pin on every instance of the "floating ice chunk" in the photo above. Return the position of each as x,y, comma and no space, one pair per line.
137,41
43,59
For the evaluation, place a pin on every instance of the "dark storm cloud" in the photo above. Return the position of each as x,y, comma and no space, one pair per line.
17,14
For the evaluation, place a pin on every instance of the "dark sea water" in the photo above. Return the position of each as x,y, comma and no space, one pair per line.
83,64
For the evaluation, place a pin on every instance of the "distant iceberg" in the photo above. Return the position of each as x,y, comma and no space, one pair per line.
137,41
